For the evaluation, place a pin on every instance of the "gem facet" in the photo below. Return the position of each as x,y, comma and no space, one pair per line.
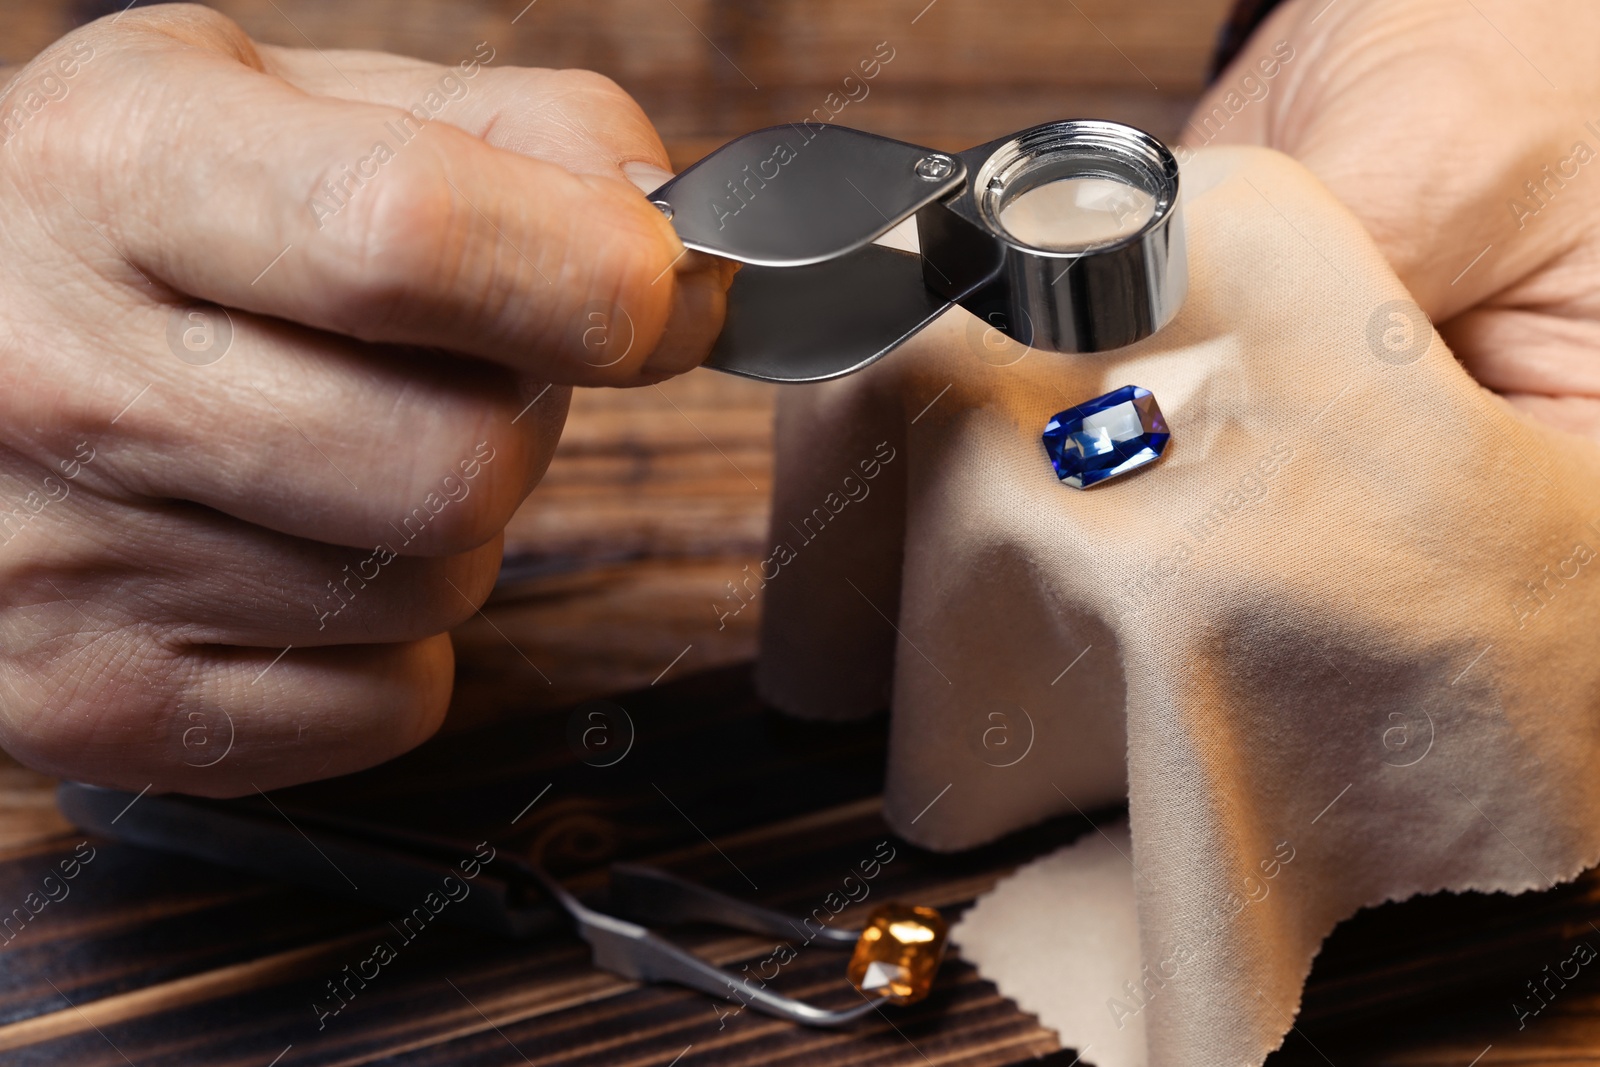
898,953
1106,437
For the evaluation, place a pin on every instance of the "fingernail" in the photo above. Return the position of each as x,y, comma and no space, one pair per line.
647,176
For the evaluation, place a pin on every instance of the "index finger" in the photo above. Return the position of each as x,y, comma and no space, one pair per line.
351,217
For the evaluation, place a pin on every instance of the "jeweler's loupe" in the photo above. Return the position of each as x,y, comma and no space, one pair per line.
1067,237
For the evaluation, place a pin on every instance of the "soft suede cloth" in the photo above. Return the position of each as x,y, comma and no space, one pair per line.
1337,647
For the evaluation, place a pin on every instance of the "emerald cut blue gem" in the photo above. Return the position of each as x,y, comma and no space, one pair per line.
1106,437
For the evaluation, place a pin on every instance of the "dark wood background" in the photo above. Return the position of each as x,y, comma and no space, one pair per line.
656,499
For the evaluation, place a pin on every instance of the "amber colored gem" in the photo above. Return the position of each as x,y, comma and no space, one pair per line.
898,953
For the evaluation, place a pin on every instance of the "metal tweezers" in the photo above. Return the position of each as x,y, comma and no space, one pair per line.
382,866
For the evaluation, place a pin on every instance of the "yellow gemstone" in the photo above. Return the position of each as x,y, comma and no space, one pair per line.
898,953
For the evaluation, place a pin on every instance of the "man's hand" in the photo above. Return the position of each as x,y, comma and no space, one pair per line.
1466,135
231,541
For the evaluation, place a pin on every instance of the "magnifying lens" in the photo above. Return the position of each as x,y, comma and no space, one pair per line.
1067,237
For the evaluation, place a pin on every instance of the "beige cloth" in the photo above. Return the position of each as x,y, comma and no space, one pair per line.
1338,647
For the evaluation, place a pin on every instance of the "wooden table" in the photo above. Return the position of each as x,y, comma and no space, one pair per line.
656,499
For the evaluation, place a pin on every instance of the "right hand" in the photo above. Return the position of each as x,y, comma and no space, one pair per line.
1429,119
174,513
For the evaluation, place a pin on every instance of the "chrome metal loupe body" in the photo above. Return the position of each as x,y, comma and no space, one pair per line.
1067,237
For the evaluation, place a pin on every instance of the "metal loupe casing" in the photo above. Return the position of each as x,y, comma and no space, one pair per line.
1088,297
801,204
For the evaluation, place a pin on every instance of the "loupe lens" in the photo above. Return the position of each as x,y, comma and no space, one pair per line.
1077,213
1075,186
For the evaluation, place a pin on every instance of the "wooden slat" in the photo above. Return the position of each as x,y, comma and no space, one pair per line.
164,996
27,805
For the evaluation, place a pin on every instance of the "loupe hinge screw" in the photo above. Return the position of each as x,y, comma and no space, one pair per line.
935,168
663,207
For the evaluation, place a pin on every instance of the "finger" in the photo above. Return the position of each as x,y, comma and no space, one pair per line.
223,721
319,437
359,221
202,578
1524,351
577,119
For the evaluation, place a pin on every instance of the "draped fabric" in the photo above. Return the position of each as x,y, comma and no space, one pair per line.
1335,648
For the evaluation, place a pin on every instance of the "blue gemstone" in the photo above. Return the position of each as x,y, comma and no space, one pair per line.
1106,437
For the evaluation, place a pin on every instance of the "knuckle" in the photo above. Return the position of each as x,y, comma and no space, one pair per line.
42,114
623,130
401,241
183,21
147,36
102,94
92,707
595,87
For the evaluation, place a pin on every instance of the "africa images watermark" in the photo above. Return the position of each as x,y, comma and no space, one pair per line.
1250,89
998,741
1205,526
1552,983
1153,978
786,150
340,188
851,490
52,490
344,987
453,489
1540,591
44,89
54,890
600,733
1540,191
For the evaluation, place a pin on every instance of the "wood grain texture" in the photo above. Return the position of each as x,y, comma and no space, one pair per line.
163,960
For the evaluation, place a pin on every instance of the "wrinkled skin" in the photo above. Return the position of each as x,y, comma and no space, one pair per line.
338,480
1428,118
